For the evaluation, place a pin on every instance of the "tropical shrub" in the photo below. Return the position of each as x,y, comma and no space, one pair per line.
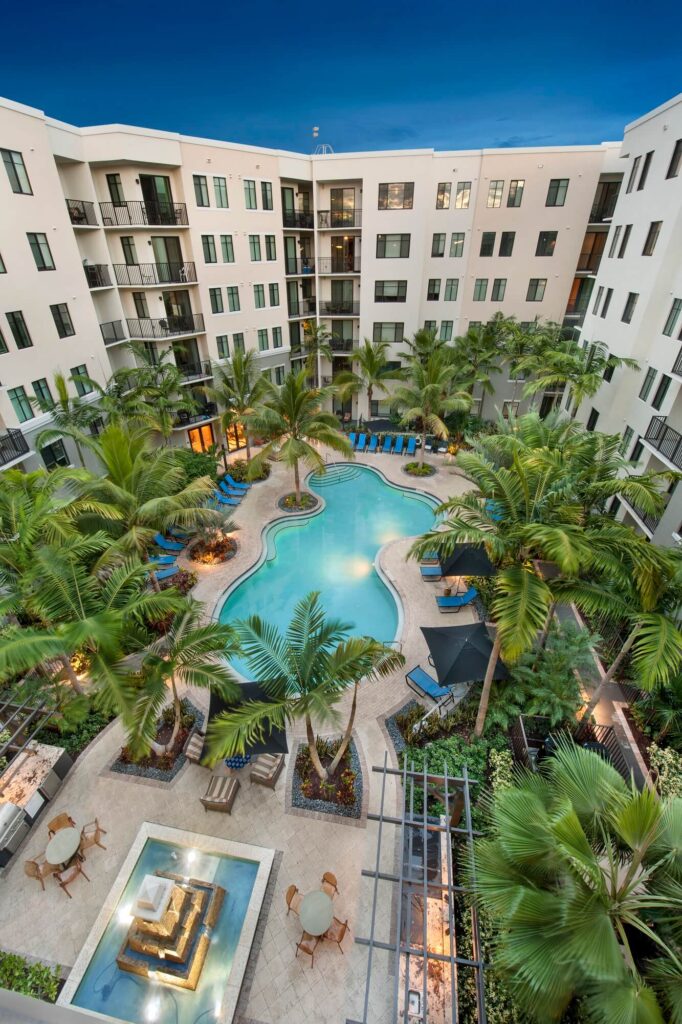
666,768
452,753
239,471
419,469
198,464
183,582
30,979
659,714
74,739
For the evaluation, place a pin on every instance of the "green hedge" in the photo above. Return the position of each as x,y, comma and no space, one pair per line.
37,980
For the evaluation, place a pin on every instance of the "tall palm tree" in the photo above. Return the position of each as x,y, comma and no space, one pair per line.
158,384
317,344
305,671
428,395
579,875
292,419
422,345
477,355
71,417
238,390
372,371
582,369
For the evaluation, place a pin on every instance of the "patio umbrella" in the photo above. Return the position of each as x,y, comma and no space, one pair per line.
274,742
468,560
460,654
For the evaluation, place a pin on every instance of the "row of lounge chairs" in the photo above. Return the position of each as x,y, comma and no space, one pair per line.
361,444
432,573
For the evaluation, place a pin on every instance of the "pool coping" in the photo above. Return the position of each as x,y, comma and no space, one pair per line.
206,844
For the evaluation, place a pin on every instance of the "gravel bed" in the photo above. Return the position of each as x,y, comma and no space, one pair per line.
158,774
353,810
392,728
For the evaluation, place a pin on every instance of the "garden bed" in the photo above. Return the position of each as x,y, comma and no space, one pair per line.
289,504
162,767
75,740
238,470
343,795
417,469
183,581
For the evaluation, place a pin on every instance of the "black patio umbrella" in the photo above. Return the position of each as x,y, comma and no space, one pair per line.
468,560
460,654
274,742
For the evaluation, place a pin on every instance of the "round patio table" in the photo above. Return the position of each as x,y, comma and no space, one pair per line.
62,846
316,913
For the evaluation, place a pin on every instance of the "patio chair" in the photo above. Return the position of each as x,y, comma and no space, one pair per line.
230,491
194,747
62,820
163,559
442,448
167,545
456,601
238,485
399,442
431,558
362,441
351,438
431,573
429,443
411,446
91,835
388,441
329,884
424,685
64,878
308,944
294,898
373,442
164,574
336,932
39,868
221,792
267,769
222,499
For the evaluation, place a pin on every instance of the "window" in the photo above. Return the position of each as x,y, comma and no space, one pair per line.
200,189
62,320
652,237
254,248
608,372
263,344
17,326
266,374
433,289
20,404
250,195
223,346
54,455
277,339
390,291
536,289
457,243
273,290
78,373
629,307
463,195
487,243
388,332
499,288
645,170
636,451
675,161
451,288
673,317
624,243
430,326
16,172
270,248
628,434
446,330
515,192
266,194
220,192
661,391
279,375
41,251
495,190
216,297
3,345
115,189
507,243
238,341
592,420
3,269
556,193
480,289
607,303
396,196
233,299
509,409
41,390
649,378
227,248
140,300
546,243
438,245
443,195
129,252
600,292
614,240
393,246
633,174
259,296
208,245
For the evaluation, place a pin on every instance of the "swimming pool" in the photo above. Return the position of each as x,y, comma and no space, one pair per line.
334,552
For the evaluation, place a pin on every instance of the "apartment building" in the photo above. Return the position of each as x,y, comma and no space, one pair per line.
636,310
200,248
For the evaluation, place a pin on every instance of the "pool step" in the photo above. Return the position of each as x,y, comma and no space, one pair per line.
335,475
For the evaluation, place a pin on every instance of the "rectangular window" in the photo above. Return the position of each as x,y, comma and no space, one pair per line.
499,288
254,248
645,170
507,243
443,195
20,404
509,409
393,246
673,317
438,244
3,345
629,307
140,300
661,391
17,326
495,190
480,289
233,299
277,338
273,290
259,296
62,320
266,374
220,193
16,172
614,240
397,195
463,195
279,375
270,248
652,237
227,248
78,373
446,330
633,173
600,292
3,268
607,303
41,251
200,190
515,192
115,189
487,243
208,245
238,342
129,251
54,455
592,420
624,243
647,384
628,435
675,160
433,289
556,193
263,345
391,332
223,346
536,289
250,194
41,389
390,291
216,297
451,288
457,243
430,326
266,194
636,451
546,243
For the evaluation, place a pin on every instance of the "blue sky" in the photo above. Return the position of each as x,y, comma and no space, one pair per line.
372,75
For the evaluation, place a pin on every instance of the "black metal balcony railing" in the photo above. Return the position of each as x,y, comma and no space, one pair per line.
97,275
677,365
304,265
650,520
81,213
341,344
298,219
204,412
195,371
574,315
331,308
140,274
665,440
13,445
304,307
588,262
338,265
143,212
339,218
165,327
112,331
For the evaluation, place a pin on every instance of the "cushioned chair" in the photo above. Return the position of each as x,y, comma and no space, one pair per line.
167,545
267,769
221,792
386,448
399,442
431,573
411,446
62,820
237,485
456,601
362,441
231,492
194,747
351,438
294,898
422,683
373,442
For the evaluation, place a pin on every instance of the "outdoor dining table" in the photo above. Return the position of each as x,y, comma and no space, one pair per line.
62,847
316,912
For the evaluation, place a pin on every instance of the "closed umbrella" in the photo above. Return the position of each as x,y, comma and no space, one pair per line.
460,654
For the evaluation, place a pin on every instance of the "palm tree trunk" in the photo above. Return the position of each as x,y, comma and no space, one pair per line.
347,734
72,677
314,756
248,446
79,453
487,683
422,450
615,665
297,483
370,392
177,715
547,626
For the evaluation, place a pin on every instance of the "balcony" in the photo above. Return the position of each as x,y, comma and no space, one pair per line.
97,275
302,219
588,262
339,219
649,521
13,446
81,213
166,327
140,275
140,214
303,266
665,440
195,371
207,411
113,332
338,265
331,308
341,344
302,308
574,315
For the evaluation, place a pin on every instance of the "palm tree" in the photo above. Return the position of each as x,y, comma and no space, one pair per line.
579,876
292,419
372,372
305,671
582,369
476,355
428,395
317,343
238,389
158,384
422,345
71,417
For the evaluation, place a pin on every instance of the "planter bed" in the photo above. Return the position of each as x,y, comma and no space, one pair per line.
308,502
318,804
164,767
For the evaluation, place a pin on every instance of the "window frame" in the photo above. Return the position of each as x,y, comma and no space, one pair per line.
557,188
8,160
463,195
404,245
652,236
457,242
39,247
201,196
386,199
516,187
250,194
220,192
536,285
438,244
629,307
504,241
487,247
400,291
16,318
546,238
443,191
62,320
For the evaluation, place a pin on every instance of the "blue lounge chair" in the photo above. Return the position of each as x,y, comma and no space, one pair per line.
388,441
163,559
351,438
493,510
236,484
423,684
362,441
225,487
430,558
220,499
373,442
167,545
399,442
457,601
411,446
431,573
164,574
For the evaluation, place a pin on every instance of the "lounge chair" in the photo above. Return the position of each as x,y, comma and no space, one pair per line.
431,573
373,442
428,444
237,484
163,559
362,441
351,438
267,769
422,683
167,545
194,747
388,441
411,446
222,789
399,442
222,499
442,447
229,491
456,601
165,574
430,558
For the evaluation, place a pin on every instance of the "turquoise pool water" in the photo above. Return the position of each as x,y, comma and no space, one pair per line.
123,995
334,552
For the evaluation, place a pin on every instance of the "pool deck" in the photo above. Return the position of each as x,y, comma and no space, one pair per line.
279,987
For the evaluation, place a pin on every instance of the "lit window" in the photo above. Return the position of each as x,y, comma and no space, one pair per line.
495,190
